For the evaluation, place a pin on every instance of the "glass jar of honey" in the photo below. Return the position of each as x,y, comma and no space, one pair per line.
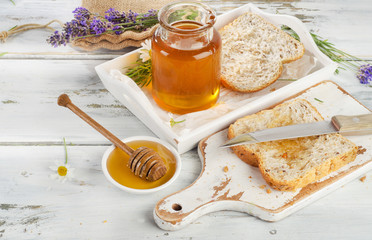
186,58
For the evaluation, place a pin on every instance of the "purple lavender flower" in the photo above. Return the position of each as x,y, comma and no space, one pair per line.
132,16
58,39
115,16
85,25
81,13
151,13
365,74
98,27
119,30
76,28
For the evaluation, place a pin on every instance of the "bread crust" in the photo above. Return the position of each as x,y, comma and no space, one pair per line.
228,85
243,152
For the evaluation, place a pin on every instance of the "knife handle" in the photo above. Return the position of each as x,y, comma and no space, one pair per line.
353,125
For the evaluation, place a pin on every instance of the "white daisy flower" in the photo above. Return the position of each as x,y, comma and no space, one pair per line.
145,52
62,172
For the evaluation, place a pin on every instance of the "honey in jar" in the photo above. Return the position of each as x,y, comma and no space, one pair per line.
121,173
186,58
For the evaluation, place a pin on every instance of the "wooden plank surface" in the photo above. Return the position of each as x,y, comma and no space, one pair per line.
29,103
343,23
89,207
33,74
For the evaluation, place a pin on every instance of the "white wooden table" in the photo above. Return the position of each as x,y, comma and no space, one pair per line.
33,74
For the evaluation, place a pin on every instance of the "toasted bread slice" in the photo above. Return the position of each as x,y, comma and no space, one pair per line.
292,163
253,53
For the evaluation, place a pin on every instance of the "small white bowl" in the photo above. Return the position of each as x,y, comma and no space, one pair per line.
142,191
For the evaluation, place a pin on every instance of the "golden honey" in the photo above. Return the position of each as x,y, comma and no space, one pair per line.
186,62
121,173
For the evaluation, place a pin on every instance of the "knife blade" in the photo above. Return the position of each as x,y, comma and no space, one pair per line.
345,125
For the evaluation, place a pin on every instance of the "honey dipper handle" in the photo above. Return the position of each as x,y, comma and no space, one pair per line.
64,100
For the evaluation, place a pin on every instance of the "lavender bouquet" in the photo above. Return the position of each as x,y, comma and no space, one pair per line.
86,24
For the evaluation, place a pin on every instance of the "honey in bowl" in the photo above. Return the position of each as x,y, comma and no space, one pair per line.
121,173
186,59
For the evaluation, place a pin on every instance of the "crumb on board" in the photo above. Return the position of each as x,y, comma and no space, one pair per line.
272,90
361,150
262,186
250,177
268,190
362,179
105,221
225,169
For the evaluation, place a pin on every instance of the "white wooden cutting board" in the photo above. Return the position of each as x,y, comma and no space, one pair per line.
227,183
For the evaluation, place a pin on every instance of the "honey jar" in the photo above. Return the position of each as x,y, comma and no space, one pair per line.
186,58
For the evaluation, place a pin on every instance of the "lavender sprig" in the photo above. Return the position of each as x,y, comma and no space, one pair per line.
364,74
86,24
81,13
97,26
347,61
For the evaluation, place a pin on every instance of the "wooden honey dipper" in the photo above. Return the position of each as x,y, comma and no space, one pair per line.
143,162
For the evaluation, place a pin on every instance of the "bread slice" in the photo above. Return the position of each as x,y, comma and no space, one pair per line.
292,163
253,53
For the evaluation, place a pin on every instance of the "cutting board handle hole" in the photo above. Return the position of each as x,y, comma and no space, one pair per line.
176,207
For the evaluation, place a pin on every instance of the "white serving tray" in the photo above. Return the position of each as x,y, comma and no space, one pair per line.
228,183
231,105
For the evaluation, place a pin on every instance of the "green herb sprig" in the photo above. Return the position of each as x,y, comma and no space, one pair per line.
172,122
141,73
66,155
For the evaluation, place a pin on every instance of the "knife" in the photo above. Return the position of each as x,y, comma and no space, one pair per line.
345,125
